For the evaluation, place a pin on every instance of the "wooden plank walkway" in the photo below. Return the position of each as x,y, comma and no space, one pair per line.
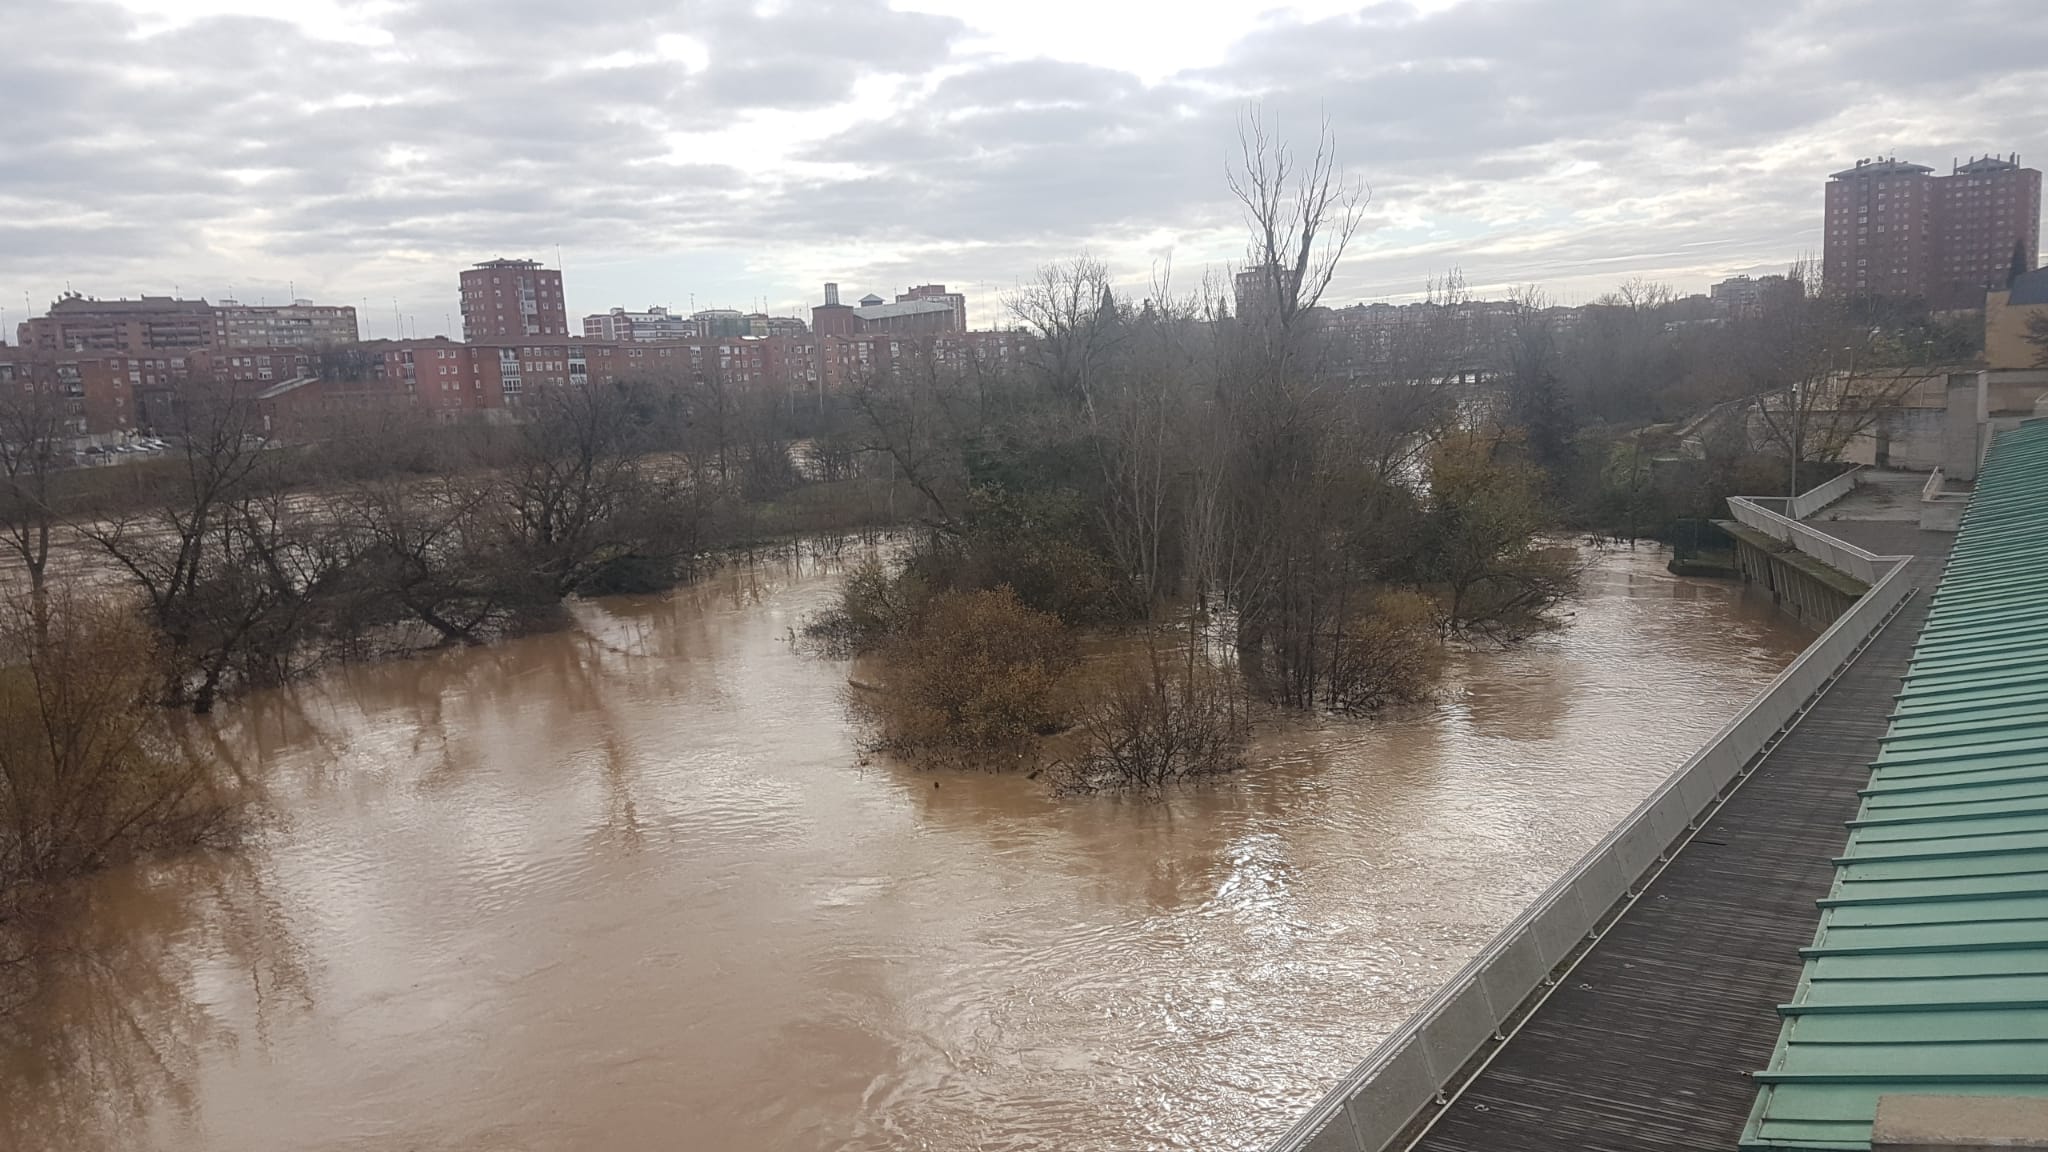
1649,1043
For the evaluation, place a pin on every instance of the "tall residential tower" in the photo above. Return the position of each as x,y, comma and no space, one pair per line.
1893,228
512,300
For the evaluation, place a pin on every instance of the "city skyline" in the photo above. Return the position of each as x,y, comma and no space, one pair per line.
732,156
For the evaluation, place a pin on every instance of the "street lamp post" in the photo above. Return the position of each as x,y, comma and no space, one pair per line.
1798,426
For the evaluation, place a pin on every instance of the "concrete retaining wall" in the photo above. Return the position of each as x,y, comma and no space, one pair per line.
1941,511
1814,499
1840,555
1798,590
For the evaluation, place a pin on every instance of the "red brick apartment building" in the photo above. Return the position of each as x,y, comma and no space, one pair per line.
153,324
299,324
114,395
93,391
506,301
78,323
1893,228
927,309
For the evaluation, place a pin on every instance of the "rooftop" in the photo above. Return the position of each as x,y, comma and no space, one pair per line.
1982,164
1928,973
880,311
142,304
1883,166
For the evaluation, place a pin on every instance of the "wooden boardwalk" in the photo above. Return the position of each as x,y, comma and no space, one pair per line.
1649,1044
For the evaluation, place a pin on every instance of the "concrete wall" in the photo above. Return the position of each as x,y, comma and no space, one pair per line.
1914,439
2014,393
2005,332
1796,592
1962,436
1940,422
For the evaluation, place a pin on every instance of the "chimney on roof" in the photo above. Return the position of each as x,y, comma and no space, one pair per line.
831,294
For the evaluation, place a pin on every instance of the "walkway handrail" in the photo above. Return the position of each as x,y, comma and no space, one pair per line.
1840,555
1820,496
1935,482
1413,1067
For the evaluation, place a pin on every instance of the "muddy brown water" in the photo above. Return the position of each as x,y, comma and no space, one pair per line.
629,886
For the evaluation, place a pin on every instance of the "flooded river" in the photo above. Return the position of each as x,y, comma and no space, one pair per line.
630,887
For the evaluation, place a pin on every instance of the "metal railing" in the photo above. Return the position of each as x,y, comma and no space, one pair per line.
1820,496
1840,555
1416,1066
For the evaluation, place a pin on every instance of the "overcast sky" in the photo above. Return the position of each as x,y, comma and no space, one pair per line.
736,154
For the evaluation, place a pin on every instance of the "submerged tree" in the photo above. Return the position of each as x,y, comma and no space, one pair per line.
33,429
89,770
227,566
976,680
1159,720
1478,556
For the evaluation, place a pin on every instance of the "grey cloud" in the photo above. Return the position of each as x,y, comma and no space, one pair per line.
1533,138
1033,82
793,83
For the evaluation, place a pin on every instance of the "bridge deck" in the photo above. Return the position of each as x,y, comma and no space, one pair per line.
1648,1045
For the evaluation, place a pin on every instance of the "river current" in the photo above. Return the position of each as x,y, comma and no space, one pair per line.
632,885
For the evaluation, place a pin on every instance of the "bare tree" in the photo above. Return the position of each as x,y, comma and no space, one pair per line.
573,472
768,468
1621,357
1639,295
1535,392
919,415
187,555
1802,362
1145,440
1070,307
33,430
425,550
1156,722
1409,382
1301,218
713,403
1309,501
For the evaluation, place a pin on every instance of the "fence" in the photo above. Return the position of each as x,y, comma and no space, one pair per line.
1413,1068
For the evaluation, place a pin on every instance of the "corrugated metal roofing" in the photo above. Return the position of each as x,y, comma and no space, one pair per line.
1929,971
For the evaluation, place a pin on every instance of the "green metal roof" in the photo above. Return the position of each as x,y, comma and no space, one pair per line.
1929,971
